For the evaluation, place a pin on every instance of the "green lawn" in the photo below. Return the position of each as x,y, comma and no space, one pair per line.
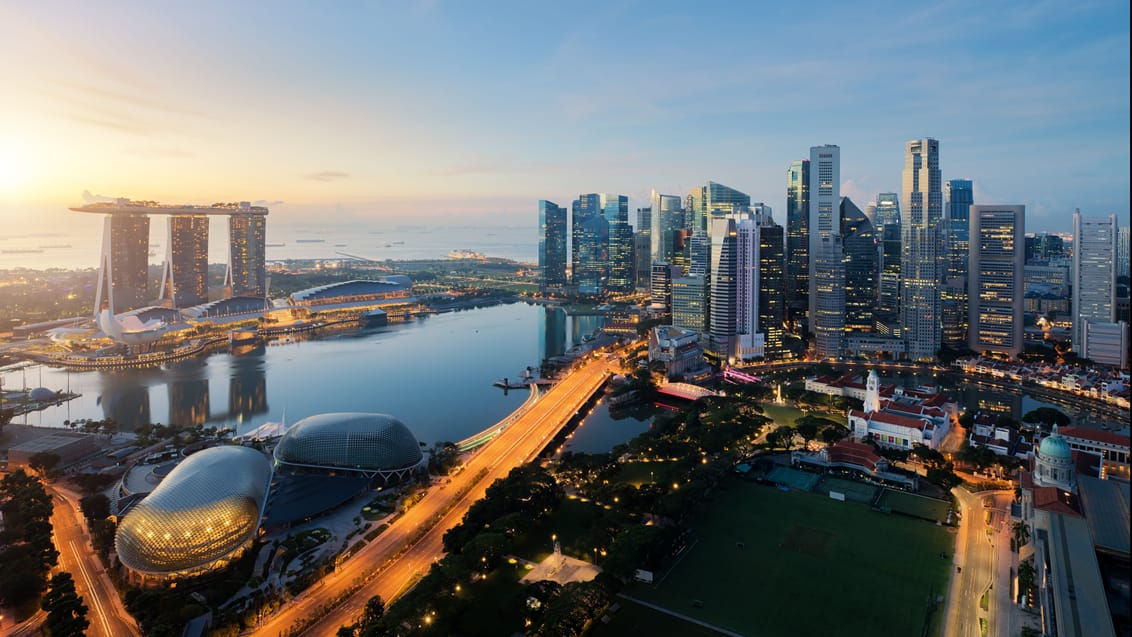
573,524
787,415
808,565
638,473
915,505
634,619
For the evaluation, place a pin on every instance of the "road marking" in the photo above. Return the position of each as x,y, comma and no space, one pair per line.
93,593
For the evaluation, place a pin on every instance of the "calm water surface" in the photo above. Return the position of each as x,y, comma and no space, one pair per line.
434,374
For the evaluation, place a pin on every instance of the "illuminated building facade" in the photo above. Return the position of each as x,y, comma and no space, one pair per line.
798,241
247,243
615,210
772,289
690,303
666,219
589,233
920,249
996,279
184,278
201,517
827,267
1093,274
123,267
551,245
714,200
859,242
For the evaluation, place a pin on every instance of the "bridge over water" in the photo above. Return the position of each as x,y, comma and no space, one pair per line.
687,391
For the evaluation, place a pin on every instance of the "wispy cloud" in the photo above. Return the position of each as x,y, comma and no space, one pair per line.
161,153
89,198
327,175
264,202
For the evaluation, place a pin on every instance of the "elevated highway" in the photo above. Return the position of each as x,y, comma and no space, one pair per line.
397,558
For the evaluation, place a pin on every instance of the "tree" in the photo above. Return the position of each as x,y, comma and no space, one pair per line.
66,613
1025,577
1021,533
44,462
782,437
1046,416
833,433
807,430
95,507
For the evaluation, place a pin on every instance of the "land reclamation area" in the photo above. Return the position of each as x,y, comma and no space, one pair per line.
766,562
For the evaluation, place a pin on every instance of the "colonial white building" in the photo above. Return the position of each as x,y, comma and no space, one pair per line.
905,419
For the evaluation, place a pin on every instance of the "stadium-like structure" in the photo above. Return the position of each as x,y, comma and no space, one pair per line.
202,516
377,446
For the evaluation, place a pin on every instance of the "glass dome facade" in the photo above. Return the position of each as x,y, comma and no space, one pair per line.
203,515
369,443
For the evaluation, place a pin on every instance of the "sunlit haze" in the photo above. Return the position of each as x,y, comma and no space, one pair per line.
351,112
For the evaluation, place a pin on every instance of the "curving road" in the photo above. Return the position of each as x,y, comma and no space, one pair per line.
107,615
394,560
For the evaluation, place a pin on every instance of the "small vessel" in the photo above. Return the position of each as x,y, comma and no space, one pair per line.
22,251
56,245
339,245
310,240
275,245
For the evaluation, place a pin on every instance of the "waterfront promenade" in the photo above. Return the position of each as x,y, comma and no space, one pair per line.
404,552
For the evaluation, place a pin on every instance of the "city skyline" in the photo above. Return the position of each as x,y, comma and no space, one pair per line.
436,110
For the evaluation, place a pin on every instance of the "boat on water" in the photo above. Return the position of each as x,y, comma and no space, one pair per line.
275,245
22,251
55,245
310,240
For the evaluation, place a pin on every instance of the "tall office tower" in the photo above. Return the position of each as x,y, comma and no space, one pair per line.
797,243
247,242
1094,274
660,289
644,225
724,261
642,266
615,209
667,220
1122,248
123,269
888,297
690,303
699,254
954,310
960,195
921,213
996,279
827,296
714,200
859,241
826,251
772,288
888,209
590,237
871,213
551,245
184,277
681,252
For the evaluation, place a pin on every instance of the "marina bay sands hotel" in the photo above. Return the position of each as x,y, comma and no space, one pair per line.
123,266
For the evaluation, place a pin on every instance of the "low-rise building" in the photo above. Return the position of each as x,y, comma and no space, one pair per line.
678,349
1111,446
904,418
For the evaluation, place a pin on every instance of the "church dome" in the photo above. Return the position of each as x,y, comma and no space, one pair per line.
1054,447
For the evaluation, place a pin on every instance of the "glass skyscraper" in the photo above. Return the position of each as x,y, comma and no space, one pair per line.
590,235
615,209
123,281
247,236
960,197
714,200
858,239
996,279
1094,274
921,214
797,242
184,278
888,209
827,268
667,219
551,245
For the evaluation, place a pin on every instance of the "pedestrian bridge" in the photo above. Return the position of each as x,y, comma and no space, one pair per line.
687,391
732,375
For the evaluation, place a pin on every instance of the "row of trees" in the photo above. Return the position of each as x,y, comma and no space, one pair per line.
28,552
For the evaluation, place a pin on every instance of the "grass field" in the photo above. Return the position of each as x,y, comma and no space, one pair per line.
853,490
787,415
638,473
634,619
767,562
915,505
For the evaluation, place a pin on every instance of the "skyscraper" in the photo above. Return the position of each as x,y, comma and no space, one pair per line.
590,236
551,245
689,303
724,262
772,289
184,277
859,243
615,209
123,271
888,298
888,209
921,214
797,242
960,196
1094,274
667,219
247,237
714,200
642,266
827,269
996,279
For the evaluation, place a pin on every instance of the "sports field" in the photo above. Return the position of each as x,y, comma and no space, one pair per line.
768,562
915,505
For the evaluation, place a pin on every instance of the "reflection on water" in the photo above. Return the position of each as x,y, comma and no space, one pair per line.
434,374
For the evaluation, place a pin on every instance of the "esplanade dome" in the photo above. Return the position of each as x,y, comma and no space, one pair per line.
201,516
367,443
1054,447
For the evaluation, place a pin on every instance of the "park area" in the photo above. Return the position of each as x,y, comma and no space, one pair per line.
767,562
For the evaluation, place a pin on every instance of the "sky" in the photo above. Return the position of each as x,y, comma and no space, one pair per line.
348,112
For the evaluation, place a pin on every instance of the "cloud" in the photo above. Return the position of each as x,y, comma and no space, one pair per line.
266,203
88,198
327,175
161,153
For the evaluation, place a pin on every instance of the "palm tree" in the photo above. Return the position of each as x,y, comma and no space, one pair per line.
1021,533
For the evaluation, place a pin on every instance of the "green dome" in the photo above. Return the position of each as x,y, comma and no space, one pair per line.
365,442
1054,447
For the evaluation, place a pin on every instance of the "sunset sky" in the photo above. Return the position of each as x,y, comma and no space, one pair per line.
355,111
